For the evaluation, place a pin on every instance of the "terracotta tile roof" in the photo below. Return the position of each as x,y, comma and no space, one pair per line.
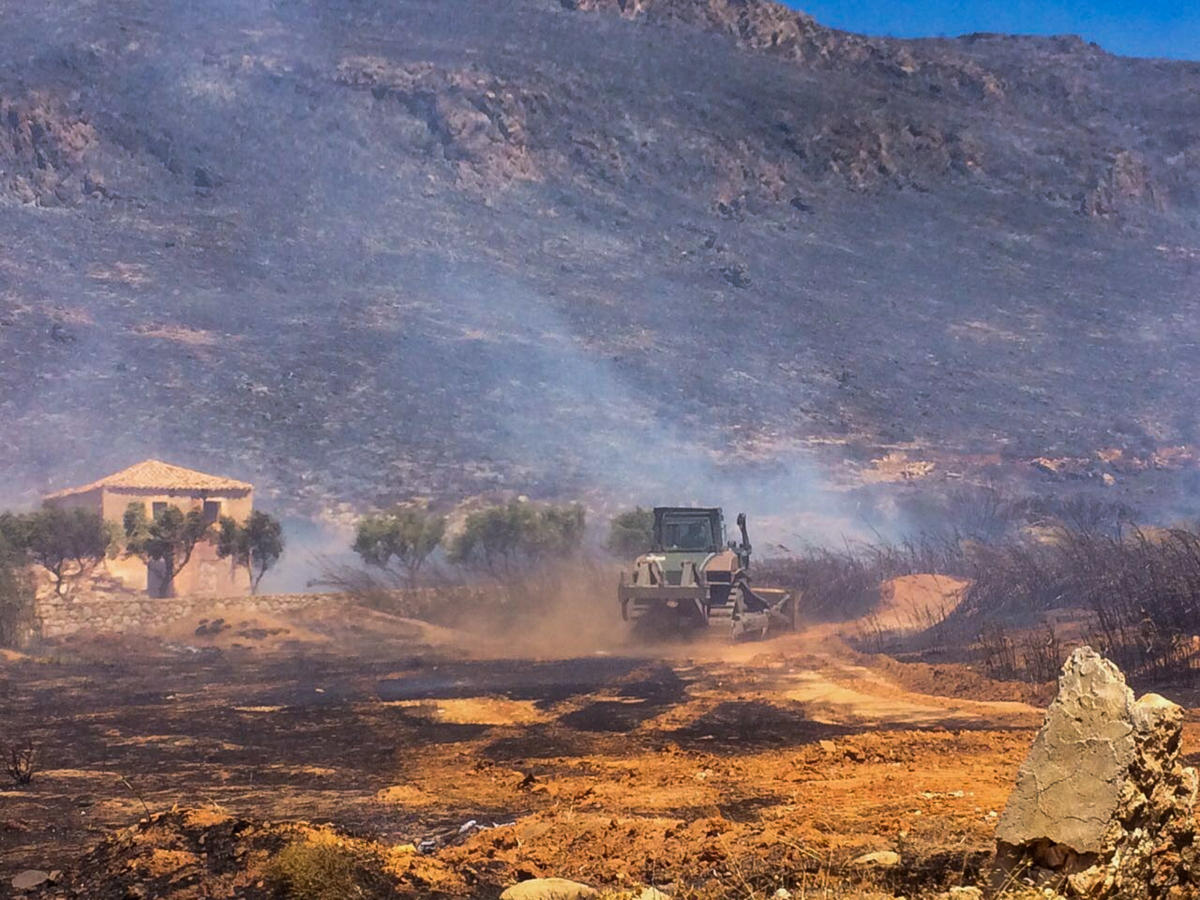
153,474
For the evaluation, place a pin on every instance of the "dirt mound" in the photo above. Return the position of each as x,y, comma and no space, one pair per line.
917,602
240,627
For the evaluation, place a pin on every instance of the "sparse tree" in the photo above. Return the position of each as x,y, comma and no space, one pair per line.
165,541
405,536
16,589
14,535
255,546
631,532
501,539
67,543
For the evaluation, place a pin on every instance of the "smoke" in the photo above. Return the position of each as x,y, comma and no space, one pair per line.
592,427
285,281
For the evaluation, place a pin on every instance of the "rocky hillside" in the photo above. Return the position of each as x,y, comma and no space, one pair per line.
359,251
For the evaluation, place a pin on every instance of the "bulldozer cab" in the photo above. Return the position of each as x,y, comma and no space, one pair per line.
688,530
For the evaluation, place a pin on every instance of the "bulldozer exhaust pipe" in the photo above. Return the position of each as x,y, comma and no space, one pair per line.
741,524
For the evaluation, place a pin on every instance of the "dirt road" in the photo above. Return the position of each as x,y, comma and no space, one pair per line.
763,764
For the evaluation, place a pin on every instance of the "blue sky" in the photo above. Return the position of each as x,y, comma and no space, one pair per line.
1153,28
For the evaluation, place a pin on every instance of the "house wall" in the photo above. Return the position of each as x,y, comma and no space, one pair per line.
205,574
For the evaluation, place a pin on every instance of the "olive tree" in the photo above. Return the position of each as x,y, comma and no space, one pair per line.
403,537
165,540
255,545
631,532
504,539
67,543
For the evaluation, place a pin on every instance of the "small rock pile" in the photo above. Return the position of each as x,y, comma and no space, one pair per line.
1103,806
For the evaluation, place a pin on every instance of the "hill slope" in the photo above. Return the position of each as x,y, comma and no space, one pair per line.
354,252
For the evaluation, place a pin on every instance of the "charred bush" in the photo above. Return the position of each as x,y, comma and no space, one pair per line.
1141,586
840,584
380,589
20,764
1034,656
998,651
975,513
835,585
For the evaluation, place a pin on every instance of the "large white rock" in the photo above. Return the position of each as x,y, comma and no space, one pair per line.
1070,784
549,889
1103,797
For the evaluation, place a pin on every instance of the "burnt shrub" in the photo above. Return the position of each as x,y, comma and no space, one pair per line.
1033,655
843,583
1141,586
20,764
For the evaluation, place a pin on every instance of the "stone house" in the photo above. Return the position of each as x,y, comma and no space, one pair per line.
157,484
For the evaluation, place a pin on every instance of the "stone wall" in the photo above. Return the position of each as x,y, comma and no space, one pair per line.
107,611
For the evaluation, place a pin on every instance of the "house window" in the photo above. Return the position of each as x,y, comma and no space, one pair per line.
158,508
212,511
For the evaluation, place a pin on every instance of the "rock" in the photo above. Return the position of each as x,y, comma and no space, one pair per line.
29,879
1068,787
652,893
1102,798
884,859
964,893
549,889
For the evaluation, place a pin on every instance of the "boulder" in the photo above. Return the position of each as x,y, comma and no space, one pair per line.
883,859
30,879
549,889
1102,800
1070,784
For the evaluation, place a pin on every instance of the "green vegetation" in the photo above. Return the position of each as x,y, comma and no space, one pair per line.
404,536
16,590
255,546
67,543
631,532
164,542
504,540
324,867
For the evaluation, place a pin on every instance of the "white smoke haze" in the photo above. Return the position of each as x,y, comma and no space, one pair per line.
346,328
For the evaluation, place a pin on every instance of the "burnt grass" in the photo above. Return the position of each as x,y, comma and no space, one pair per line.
316,737
280,739
359,252
303,738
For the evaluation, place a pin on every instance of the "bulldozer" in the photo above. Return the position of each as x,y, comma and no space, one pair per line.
691,578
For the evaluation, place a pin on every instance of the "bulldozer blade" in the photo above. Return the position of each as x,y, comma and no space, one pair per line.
771,609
